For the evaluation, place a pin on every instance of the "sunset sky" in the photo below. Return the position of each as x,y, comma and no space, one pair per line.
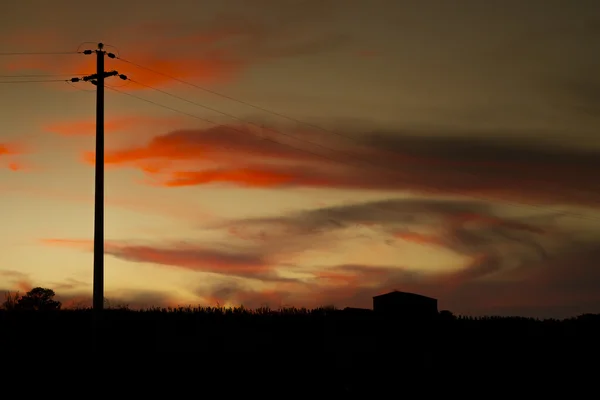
448,148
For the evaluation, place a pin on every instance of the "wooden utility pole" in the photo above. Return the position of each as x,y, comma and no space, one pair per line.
98,296
98,80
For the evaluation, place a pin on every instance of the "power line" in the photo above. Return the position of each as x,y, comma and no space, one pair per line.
216,123
278,114
40,75
39,53
106,45
35,81
78,88
429,188
240,119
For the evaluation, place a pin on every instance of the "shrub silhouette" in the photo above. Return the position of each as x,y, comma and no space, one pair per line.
10,301
447,315
38,299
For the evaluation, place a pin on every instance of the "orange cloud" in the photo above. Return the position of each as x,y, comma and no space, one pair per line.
207,65
19,280
392,163
218,144
196,259
16,166
76,243
8,155
241,177
418,238
222,50
10,149
191,257
207,68
13,166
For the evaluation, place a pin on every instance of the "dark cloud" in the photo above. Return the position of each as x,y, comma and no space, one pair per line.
444,162
494,166
392,215
578,95
493,242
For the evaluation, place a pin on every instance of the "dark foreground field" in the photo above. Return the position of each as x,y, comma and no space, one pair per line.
359,349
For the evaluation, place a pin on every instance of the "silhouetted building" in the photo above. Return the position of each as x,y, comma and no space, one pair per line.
406,305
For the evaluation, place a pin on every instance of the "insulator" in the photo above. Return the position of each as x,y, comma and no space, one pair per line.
124,77
110,55
87,52
75,79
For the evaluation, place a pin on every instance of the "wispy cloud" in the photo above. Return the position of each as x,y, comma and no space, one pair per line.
16,280
183,255
517,171
508,258
510,262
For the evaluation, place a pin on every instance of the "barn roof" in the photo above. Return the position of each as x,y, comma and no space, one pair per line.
403,294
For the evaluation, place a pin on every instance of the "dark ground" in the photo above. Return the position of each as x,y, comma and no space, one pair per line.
319,352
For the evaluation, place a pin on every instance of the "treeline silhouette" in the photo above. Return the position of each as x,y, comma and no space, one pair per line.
360,345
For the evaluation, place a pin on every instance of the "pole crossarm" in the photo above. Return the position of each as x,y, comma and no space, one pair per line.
94,77
99,75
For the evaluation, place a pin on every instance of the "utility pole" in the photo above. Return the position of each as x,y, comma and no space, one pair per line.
98,80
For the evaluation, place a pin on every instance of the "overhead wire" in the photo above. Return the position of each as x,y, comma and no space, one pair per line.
40,75
34,81
205,89
37,53
72,84
238,118
106,45
215,123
